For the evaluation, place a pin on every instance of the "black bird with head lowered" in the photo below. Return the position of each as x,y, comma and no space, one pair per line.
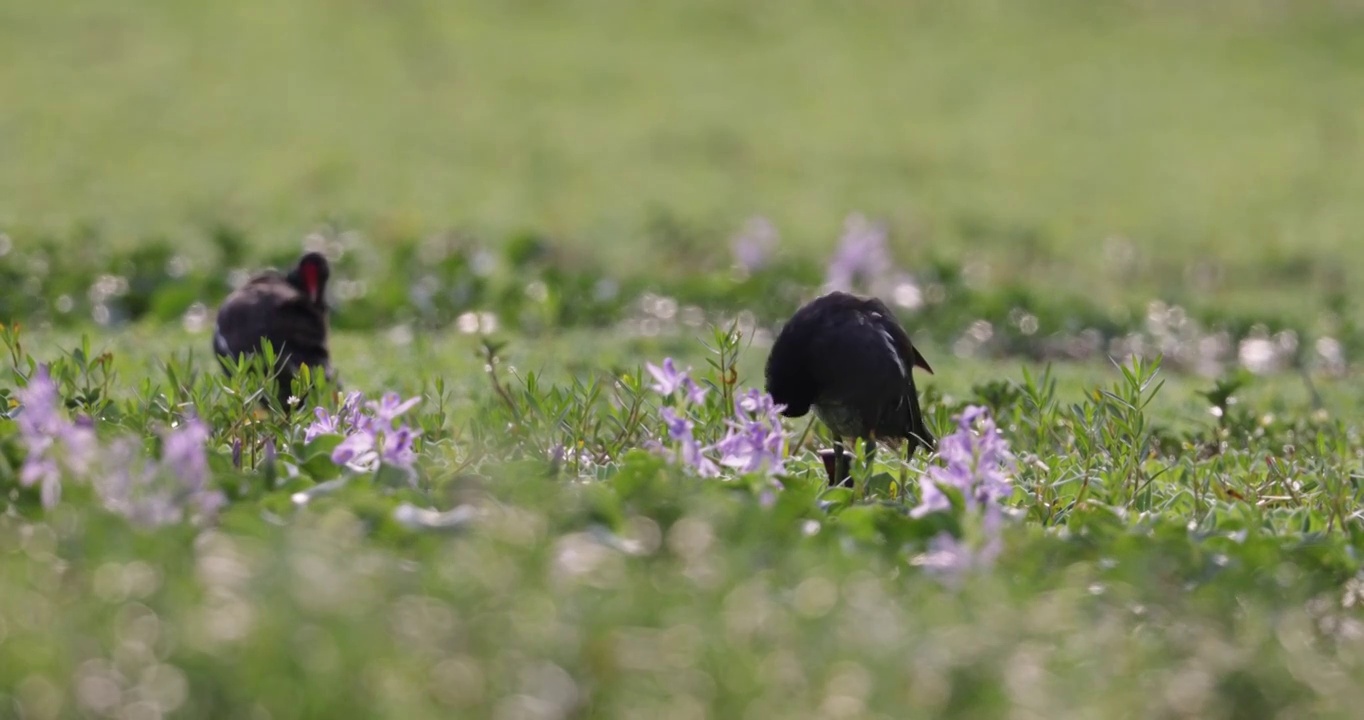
849,359
288,310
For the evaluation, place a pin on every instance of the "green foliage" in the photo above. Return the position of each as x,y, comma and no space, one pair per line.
536,288
1227,550
1129,147
1063,181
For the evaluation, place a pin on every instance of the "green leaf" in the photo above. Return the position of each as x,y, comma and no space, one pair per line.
319,466
392,476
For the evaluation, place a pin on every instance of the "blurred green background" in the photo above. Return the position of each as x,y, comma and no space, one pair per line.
1123,149
1063,180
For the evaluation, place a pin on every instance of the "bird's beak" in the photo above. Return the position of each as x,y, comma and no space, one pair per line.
920,362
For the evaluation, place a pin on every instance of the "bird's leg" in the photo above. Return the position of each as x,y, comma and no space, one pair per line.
830,460
842,466
912,446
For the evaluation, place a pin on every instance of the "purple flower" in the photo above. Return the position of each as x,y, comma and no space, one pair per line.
325,424
931,499
695,394
124,487
349,412
183,451
688,449
347,418
947,558
39,400
754,403
977,462
747,450
950,559
53,443
679,427
372,434
159,493
357,451
667,379
397,447
149,493
388,408
754,244
756,439
185,454
694,457
862,255
43,471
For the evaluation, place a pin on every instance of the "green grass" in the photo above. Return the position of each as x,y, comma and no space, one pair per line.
1159,560
1181,542
1018,136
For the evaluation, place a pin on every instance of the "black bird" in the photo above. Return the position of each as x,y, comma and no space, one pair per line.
288,310
849,359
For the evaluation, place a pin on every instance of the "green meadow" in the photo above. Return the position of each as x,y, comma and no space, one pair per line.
1127,231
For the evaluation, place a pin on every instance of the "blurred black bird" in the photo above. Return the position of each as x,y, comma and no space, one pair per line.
849,359
288,310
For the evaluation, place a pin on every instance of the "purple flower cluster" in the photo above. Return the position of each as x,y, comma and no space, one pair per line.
371,431
862,257
668,380
53,443
978,464
577,455
862,263
753,246
153,493
680,431
755,440
146,492
950,559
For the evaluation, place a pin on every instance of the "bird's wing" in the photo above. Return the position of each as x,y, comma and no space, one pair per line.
868,361
276,313
305,330
788,371
243,319
856,361
885,321
895,334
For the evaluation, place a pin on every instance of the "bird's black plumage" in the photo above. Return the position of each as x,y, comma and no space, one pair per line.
849,359
288,310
